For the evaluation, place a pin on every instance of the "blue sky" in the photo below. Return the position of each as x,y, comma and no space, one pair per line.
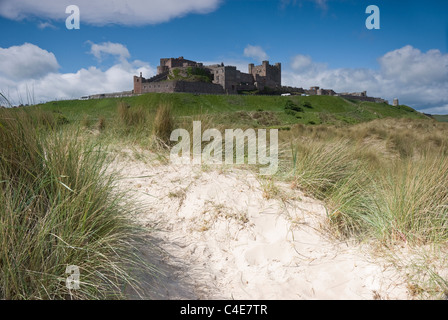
319,42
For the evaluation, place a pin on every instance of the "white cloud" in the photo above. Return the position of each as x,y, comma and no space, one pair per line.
102,12
109,48
26,62
417,78
51,85
301,62
255,52
409,64
304,64
44,25
437,110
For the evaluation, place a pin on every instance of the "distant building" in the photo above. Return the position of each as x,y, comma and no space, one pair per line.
396,103
224,79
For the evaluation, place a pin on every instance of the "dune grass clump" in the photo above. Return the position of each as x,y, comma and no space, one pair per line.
319,167
58,208
101,124
385,179
412,201
131,116
163,123
332,171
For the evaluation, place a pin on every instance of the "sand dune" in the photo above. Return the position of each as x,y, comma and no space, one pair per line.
219,235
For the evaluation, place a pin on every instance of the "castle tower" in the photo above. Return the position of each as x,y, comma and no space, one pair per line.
278,65
396,103
138,84
265,66
251,68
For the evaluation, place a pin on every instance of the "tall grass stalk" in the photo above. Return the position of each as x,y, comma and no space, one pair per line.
163,123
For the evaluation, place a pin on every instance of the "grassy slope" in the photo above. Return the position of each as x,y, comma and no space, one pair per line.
441,118
224,109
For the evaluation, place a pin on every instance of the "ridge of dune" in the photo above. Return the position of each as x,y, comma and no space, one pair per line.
218,236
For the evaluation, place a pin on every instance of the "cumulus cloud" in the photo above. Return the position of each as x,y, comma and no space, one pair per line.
437,110
48,84
417,78
26,62
85,81
409,64
109,48
255,52
102,12
304,64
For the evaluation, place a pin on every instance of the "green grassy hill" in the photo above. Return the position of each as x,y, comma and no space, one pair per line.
244,110
440,118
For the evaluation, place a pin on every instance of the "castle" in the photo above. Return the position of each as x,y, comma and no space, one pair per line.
182,75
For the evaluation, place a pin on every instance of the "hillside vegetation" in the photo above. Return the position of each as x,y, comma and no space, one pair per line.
441,118
223,108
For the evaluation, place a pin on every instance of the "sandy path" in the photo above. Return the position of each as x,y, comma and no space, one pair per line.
221,238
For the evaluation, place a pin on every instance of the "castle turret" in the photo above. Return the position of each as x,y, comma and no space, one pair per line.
396,103
138,84
251,67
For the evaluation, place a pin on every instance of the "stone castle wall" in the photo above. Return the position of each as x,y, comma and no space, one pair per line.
364,98
181,86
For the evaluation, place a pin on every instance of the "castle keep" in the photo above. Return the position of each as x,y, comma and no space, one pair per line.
182,75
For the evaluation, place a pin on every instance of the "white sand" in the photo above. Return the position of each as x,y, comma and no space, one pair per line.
220,238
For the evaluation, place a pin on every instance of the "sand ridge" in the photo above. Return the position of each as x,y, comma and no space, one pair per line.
221,236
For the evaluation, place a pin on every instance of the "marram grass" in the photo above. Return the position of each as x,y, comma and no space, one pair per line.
375,185
58,208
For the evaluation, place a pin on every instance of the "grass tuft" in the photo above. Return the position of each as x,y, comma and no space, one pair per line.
163,123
